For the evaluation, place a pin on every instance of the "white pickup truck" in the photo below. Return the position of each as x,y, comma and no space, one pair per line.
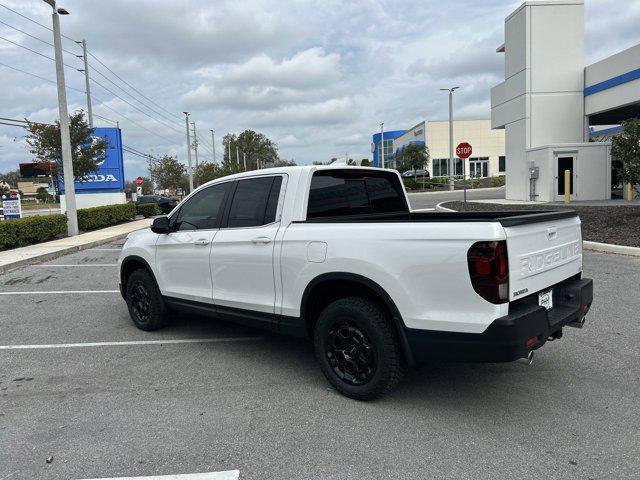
335,254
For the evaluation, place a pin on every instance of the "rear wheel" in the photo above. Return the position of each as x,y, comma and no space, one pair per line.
358,348
144,301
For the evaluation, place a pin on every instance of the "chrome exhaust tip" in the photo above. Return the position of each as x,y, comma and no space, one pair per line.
528,360
578,323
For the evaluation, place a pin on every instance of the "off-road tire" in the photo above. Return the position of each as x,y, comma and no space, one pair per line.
153,316
371,326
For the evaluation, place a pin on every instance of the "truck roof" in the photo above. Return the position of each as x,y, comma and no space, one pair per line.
297,169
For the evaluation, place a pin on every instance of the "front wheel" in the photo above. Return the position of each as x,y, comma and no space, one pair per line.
358,348
144,301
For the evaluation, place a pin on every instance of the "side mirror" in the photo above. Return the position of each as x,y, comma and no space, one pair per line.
160,225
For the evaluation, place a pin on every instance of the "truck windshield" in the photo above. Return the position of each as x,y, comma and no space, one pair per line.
336,193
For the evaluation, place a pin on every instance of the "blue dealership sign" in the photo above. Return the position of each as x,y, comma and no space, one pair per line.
110,175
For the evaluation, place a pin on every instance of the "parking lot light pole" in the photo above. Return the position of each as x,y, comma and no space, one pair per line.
65,136
186,119
451,162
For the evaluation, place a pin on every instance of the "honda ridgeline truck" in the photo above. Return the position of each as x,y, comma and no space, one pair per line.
335,255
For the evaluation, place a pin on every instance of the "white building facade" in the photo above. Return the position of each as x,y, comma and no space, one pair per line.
549,100
487,160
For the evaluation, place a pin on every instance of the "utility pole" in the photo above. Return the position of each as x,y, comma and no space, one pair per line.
65,136
195,142
86,81
451,161
213,145
382,145
244,159
237,156
186,120
229,149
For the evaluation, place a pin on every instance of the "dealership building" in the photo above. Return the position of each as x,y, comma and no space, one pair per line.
488,158
557,113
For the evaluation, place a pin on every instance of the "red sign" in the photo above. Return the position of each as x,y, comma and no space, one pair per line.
139,181
464,150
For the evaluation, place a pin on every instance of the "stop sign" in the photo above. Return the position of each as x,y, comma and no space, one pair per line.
139,181
464,150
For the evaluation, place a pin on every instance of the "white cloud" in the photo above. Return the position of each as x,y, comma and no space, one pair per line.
315,77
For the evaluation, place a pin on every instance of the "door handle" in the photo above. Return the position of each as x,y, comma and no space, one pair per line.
261,240
201,242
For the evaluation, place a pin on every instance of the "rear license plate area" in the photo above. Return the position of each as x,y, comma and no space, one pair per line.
545,299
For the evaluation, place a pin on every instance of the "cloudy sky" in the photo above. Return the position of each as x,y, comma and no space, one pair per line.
315,76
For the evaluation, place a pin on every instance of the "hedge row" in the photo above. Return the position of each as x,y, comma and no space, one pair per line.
147,209
99,217
24,231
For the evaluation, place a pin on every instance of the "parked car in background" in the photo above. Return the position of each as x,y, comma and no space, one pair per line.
416,173
165,204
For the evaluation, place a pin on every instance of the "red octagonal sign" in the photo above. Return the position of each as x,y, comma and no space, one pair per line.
464,150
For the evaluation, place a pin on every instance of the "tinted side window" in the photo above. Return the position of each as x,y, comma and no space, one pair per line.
337,193
254,202
203,210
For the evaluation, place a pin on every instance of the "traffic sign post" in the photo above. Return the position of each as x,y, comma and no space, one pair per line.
463,151
139,186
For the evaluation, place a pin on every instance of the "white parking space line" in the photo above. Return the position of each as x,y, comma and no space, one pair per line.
103,249
73,265
227,475
54,292
131,343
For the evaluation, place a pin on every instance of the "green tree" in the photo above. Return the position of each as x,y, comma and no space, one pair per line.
412,157
167,172
11,177
625,147
42,194
4,190
207,171
87,151
256,147
365,162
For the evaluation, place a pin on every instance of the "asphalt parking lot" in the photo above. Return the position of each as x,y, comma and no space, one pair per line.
82,387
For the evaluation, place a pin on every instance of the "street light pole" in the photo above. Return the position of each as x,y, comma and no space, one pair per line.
186,120
451,161
65,136
382,144
195,142
86,82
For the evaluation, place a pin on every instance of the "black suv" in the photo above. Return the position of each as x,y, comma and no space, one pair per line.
165,204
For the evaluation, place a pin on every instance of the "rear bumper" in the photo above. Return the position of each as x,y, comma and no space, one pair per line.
526,328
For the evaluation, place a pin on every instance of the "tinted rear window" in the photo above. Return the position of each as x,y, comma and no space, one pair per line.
336,193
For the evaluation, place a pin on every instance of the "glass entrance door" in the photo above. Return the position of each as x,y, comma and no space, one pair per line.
478,168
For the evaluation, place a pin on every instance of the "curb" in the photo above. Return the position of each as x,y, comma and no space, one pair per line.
59,253
611,248
586,244
440,208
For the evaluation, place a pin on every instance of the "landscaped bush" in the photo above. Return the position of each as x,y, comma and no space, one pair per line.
410,184
99,217
147,209
498,181
24,231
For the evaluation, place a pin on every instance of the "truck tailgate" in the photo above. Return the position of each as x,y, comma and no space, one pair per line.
542,253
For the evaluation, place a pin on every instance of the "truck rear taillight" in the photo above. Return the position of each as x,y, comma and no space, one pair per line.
489,270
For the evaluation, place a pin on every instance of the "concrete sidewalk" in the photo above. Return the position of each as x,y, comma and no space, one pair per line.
41,252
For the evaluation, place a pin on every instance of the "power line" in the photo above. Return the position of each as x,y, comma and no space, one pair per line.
40,77
36,38
133,106
94,69
35,51
105,119
129,85
103,104
33,21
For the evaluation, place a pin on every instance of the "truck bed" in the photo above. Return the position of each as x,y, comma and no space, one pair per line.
506,218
